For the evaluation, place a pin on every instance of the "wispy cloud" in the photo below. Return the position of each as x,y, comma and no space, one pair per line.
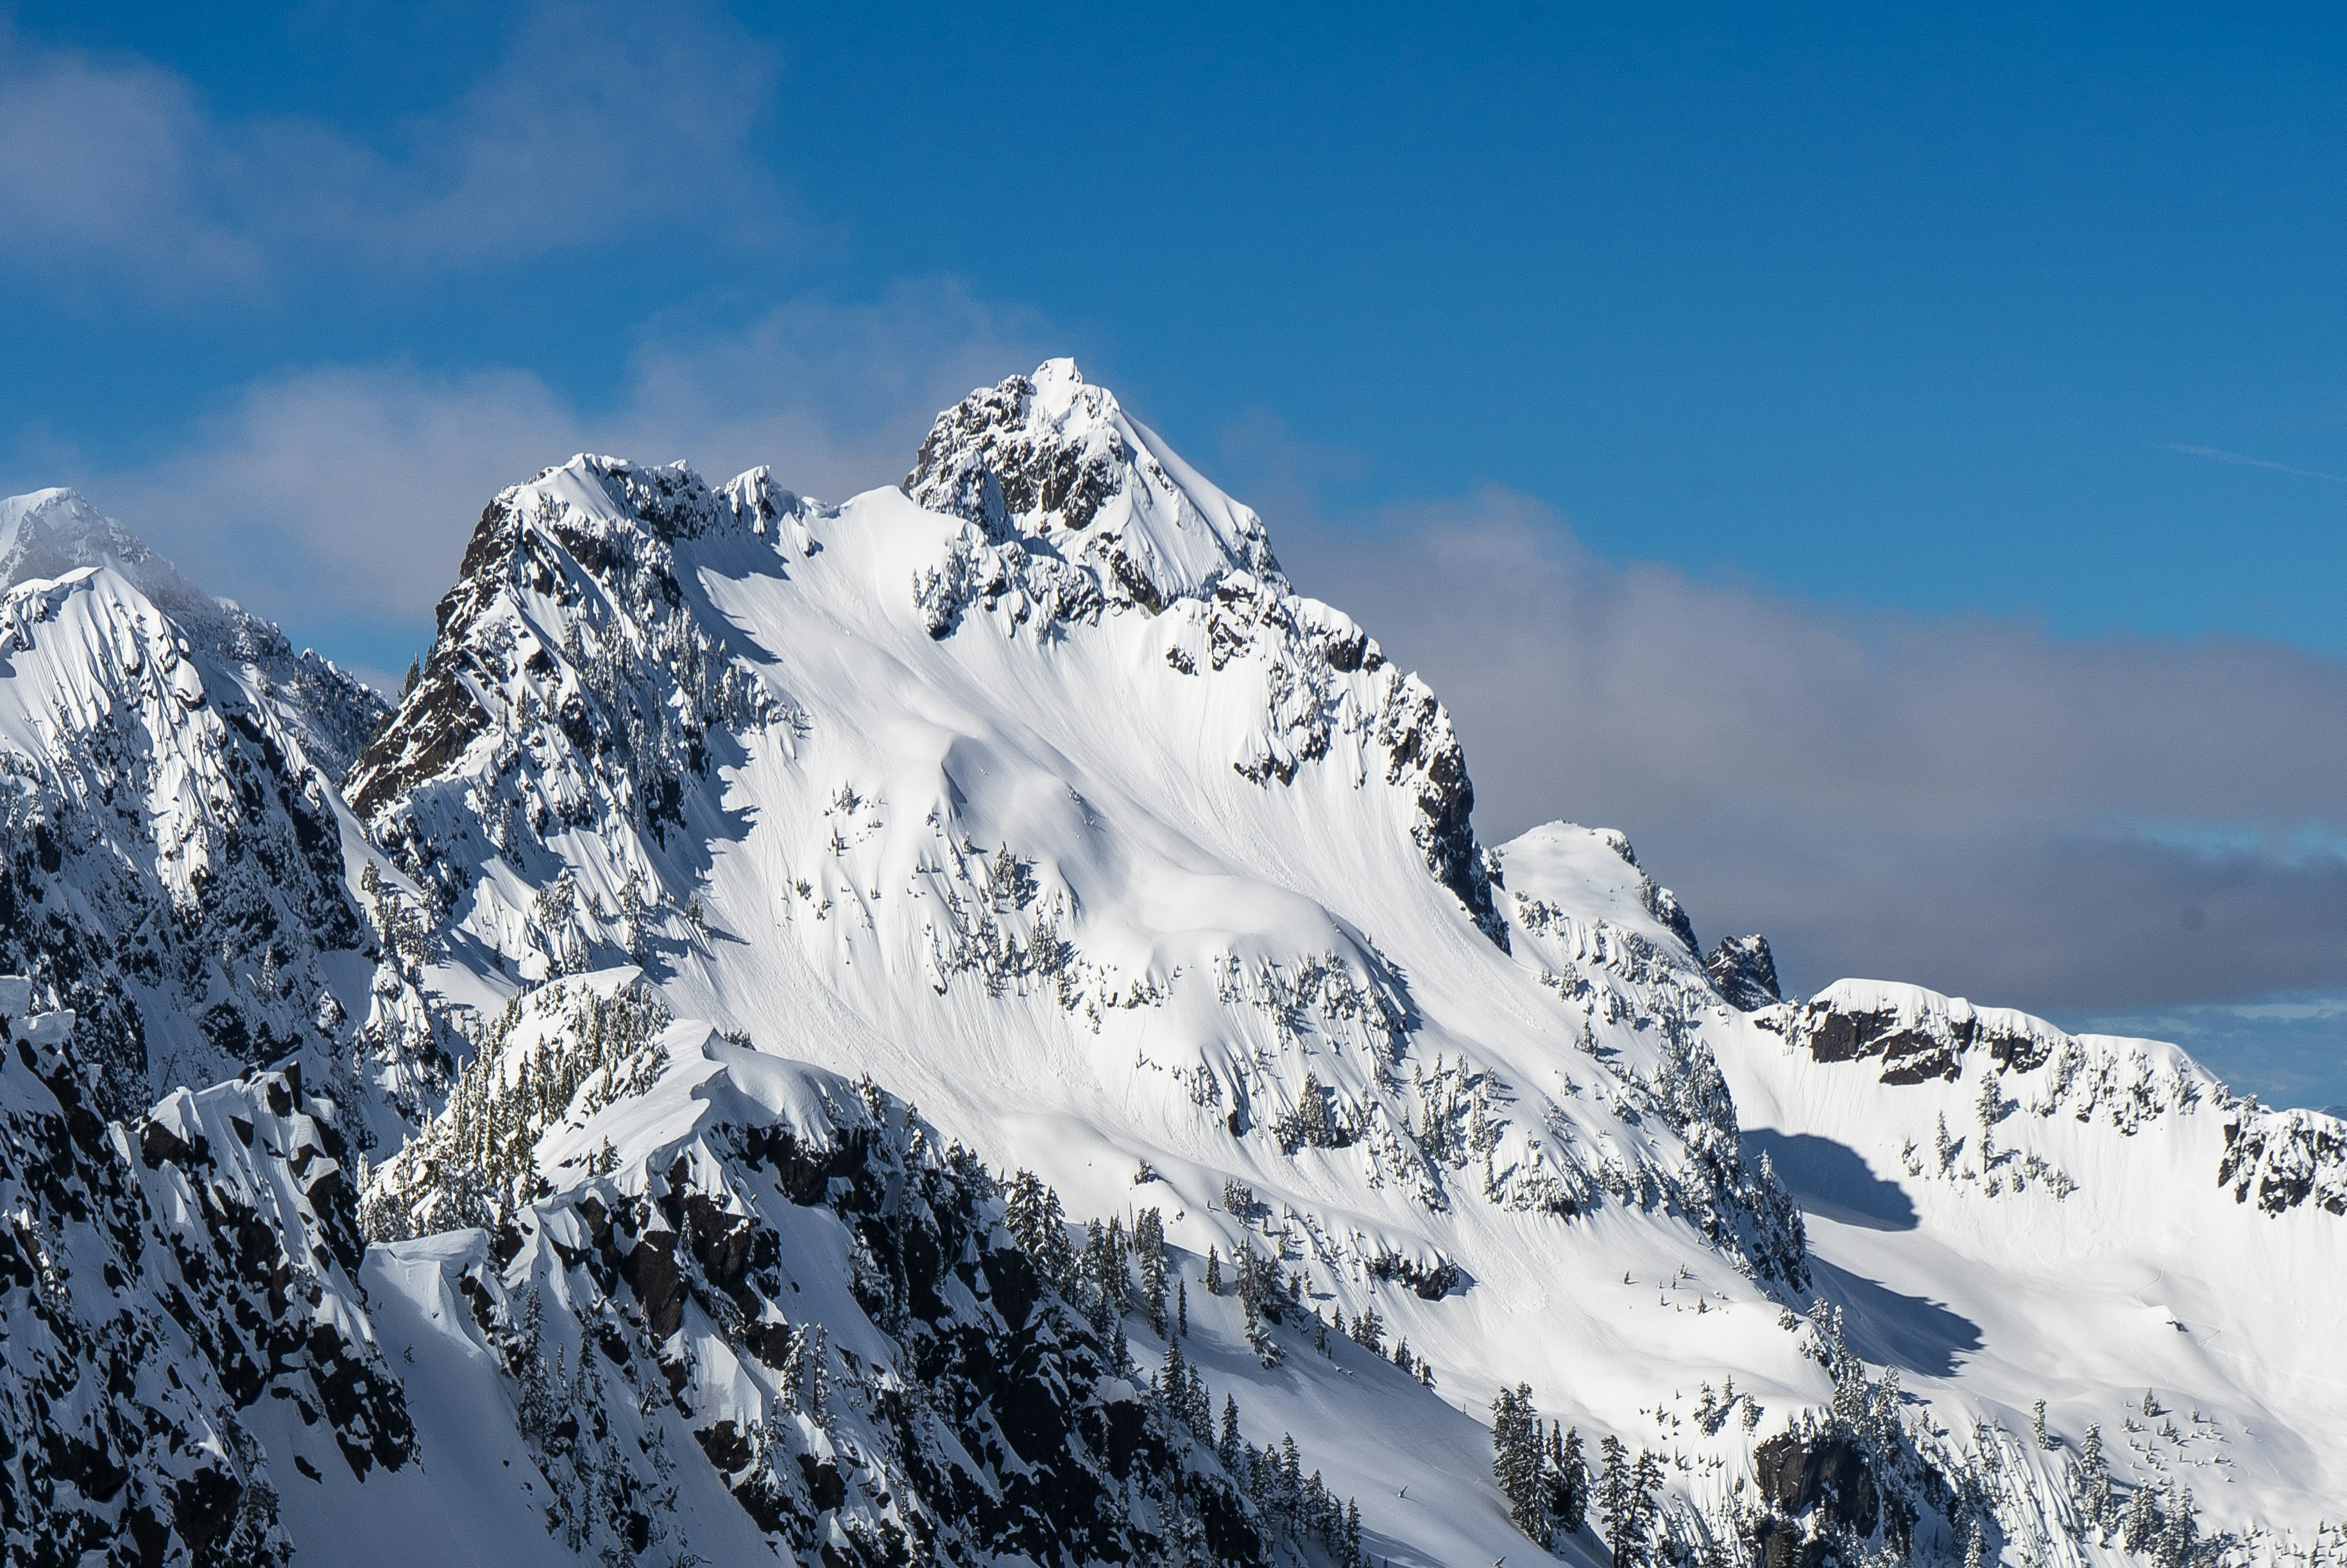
1969,804
2218,455
602,119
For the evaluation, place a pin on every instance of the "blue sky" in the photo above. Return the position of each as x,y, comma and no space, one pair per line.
1981,373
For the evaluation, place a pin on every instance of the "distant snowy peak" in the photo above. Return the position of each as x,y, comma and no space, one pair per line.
1055,463
51,534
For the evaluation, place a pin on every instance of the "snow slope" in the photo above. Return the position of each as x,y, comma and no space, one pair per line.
2091,1233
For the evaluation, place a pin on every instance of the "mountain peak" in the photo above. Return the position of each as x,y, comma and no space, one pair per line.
1052,461
48,533
52,533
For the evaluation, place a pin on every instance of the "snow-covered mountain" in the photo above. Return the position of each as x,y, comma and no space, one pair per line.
174,854
1125,1113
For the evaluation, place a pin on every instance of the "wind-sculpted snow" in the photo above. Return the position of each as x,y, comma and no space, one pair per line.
183,1329
172,852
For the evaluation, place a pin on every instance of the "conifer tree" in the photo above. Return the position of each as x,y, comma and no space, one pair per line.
1569,1478
1149,1248
2091,1482
2174,1547
1647,1486
1038,1225
1214,1271
1617,1505
535,1404
1516,1461
1368,1330
1990,1106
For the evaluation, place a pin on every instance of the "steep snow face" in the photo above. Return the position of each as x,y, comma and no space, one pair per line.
186,1342
172,852
1149,900
1109,854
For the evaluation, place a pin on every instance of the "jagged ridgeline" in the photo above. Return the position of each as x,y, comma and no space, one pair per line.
1299,1180
633,658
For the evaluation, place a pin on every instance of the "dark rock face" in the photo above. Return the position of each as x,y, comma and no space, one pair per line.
155,1281
984,460
1745,971
1830,1473
2285,1159
1911,1053
1036,467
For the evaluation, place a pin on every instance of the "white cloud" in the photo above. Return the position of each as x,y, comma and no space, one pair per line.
114,161
1956,801
603,118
